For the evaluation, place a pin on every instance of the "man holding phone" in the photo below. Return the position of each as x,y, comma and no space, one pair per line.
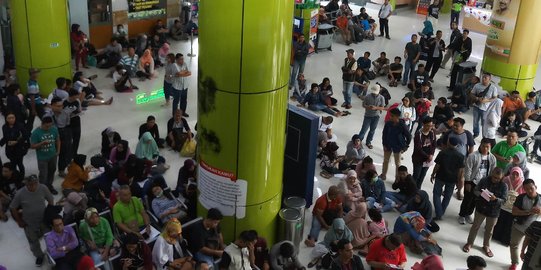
130,215
46,141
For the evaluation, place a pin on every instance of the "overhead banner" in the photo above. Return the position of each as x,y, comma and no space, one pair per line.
140,9
502,29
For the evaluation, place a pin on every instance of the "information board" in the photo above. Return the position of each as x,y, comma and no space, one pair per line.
139,9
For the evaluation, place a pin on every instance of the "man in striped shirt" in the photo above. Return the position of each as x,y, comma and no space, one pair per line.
533,233
130,61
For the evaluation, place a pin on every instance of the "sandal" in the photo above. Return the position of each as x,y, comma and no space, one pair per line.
466,248
488,252
369,146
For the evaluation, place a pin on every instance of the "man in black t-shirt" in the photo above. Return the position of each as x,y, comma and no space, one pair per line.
74,105
205,239
418,77
152,127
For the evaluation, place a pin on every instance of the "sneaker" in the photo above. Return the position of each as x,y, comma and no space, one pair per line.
39,261
461,220
52,190
469,219
185,115
309,243
382,177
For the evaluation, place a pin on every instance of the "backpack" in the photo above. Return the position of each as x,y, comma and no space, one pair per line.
385,93
371,75
388,114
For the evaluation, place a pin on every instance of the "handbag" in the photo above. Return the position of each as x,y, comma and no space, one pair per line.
188,149
479,95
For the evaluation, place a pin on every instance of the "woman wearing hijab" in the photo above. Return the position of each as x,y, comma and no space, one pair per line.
367,164
148,149
109,139
336,232
411,226
120,153
431,262
519,161
491,120
421,203
77,175
514,180
352,192
146,65
356,222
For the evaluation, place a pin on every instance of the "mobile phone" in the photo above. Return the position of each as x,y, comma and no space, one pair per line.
145,235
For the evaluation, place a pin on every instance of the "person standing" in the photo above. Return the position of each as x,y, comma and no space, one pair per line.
179,89
424,146
478,166
31,199
531,243
433,12
447,173
526,210
435,54
61,118
412,52
46,141
300,52
482,95
462,52
35,102
455,36
374,104
15,138
491,195
456,8
73,104
396,138
384,13
348,77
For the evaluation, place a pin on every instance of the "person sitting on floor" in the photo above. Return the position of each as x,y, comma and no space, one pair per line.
109,139
120,78
385,252
331,163
327,207
356,222
145,69
346,259
177,31
431,262
395,72
148,149
407,188
336,232
283,255
411,227
381,65
165,208
151,127
62,244
355,151
512,122
178,131
136,254
374,192
364,166
326,91
120,153
459,100
351,191
316,102
421,204
110,55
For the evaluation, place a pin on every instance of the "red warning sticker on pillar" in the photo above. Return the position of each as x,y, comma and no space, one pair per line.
222,190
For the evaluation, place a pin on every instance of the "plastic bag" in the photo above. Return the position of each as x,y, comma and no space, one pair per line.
188,149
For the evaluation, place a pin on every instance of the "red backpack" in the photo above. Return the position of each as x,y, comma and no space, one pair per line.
388,114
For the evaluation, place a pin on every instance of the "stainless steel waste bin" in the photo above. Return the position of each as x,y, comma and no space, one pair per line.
299,204
290,226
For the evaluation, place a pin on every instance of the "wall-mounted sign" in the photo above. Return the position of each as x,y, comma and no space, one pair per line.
139,9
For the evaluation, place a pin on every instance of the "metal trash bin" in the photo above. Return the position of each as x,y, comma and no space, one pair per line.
466,70
299,204
290,226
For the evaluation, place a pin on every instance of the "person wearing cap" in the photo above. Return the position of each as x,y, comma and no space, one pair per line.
46,141
448,171
348,77
374,104
37,107
29,201
98,236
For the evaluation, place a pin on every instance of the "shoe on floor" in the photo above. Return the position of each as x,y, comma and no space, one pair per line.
469,219
39,261
461,220
309,243
185,115
513,267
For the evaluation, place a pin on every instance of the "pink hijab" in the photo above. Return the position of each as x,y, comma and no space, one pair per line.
513,184
431,262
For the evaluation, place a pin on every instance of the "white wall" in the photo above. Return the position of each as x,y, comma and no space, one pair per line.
78,10
120,5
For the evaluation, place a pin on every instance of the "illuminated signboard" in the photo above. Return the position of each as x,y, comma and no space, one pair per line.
138,9
146,98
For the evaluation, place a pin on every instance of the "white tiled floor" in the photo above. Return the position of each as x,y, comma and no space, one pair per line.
125,116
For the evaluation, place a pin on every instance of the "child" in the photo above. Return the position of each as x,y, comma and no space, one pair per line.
377,225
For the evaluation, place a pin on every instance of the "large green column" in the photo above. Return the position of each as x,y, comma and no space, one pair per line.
244,52
41,40
513,45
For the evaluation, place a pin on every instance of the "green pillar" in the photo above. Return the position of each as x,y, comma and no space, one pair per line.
244,52
513,45
41,40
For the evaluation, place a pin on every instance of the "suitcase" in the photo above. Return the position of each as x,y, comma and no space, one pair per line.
325,36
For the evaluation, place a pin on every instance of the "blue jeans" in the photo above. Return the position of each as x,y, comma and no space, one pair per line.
315,229
409,67
372,123
321,107
359,91
455,17
348,89
440,205
419,173
386,207
297,68
477,116
396,197
202,258
167,90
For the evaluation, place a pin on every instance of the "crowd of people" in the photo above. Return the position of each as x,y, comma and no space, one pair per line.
487,179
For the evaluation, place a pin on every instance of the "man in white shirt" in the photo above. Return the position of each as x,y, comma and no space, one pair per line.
384,14
482,94
179,87
325,128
